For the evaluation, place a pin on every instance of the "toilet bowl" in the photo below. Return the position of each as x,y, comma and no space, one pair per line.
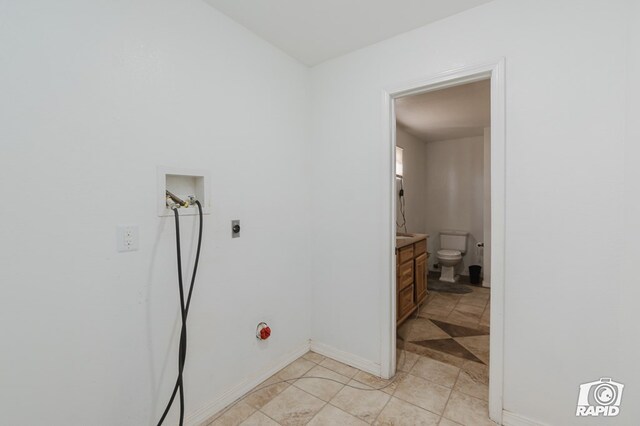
448,259
453,245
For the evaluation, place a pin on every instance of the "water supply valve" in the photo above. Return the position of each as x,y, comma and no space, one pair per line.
263,331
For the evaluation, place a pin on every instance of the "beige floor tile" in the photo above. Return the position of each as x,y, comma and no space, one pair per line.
437,355
363,403
436,310
465,315
486,317
323,389
482,290
297,368
445,299
479,293
453,297
477,369
293,407
332,416
234,415
484,328
474,380
339,367
268,390
401,413
464,319
420,329
467,410
469,309
423,393
258,419
447,422
476,301
435,371
430,296
478,345
387,386
313,357
439,314
405,360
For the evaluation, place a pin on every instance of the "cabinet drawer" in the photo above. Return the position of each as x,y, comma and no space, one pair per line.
405,254
419,248
405,302
405,275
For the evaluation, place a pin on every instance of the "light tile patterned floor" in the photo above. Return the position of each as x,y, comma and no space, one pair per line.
432,387
452,328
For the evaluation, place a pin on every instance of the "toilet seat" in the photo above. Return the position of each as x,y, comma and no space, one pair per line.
443,254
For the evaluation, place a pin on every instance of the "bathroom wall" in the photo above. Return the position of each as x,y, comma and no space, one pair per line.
444,184
414,171
95,95
454,188
566,93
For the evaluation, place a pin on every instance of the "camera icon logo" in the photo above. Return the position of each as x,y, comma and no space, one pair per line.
600,398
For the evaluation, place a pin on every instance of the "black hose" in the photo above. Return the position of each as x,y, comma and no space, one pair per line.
184,311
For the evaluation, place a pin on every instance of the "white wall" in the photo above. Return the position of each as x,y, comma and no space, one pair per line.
95,95
444,184
455,194
566,112
414,177
629,290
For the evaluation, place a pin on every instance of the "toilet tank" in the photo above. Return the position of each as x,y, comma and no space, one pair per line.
453,240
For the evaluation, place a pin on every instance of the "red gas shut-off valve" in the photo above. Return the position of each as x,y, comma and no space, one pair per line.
263,331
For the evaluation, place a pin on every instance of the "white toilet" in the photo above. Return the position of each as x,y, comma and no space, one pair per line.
453,244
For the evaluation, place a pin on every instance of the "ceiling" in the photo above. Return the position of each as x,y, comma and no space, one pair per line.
451,113
314,31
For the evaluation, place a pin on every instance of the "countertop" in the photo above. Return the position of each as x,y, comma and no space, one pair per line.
412,238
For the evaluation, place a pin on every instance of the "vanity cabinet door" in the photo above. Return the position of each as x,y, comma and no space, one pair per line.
420,280
405,303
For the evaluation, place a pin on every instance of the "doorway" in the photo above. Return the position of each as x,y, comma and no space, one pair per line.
494,73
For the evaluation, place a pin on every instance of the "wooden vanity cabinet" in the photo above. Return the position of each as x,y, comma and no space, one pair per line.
411,278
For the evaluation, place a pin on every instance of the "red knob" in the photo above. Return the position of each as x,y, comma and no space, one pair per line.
265,333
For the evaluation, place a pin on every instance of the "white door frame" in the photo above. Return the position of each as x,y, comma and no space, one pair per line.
496,72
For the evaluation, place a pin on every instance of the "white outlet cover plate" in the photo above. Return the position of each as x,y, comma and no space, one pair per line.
127,238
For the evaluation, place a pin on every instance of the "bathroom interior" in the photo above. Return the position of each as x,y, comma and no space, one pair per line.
443,235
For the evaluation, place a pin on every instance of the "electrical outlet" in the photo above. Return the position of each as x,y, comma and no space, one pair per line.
127,238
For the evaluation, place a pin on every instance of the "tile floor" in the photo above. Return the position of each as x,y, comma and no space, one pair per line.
452,328
443,384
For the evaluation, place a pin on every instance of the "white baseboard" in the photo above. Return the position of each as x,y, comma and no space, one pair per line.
346,358
235,392
513,419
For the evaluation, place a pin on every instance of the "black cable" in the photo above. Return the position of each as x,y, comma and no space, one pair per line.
402,208
184,312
